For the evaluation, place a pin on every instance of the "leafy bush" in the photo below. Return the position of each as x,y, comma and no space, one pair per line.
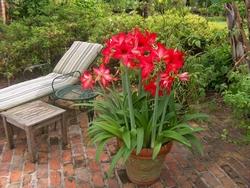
188,32
43,38
107,26
207,71
26,8
237,94
216,9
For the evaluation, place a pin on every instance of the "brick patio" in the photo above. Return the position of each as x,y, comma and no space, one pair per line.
223,165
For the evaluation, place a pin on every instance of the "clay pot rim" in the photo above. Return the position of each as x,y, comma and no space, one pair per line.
148,152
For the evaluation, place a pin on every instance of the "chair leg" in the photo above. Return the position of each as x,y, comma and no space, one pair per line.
8,132
31,144
64,130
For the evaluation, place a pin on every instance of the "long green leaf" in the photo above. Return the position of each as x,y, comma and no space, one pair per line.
184,129
169,135
100,149
126,138
140,139
101,136
109,128
156,149
115,159
197,116
195,143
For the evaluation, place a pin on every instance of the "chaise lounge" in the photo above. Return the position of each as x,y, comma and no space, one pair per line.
78,58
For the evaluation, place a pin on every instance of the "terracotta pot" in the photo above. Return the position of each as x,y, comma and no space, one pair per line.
142,169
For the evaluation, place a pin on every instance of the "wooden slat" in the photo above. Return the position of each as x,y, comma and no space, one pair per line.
32,113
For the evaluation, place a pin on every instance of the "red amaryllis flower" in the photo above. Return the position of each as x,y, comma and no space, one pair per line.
118,39
146,65
124,53
103,75
166,81
161,52
151,88
183,76
142,42
112,45
151,37
87,80
107,52
174,60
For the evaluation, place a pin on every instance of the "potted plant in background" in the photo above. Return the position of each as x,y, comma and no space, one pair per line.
142,116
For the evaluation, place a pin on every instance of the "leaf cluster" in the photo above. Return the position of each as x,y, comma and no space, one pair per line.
113,121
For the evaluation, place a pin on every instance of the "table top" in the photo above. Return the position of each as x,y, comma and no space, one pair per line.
32,113
75,93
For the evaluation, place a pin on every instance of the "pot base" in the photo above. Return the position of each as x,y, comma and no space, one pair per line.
142,170
124,179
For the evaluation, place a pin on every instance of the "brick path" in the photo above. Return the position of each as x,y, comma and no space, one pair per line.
223,165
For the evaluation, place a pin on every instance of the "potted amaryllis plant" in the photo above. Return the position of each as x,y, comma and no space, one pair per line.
142,114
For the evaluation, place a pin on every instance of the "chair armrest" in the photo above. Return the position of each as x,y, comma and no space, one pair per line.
64,76
43,67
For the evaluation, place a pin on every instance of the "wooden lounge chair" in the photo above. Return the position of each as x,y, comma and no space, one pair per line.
78,58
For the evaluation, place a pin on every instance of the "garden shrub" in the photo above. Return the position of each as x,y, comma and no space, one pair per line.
189,32
180,29
237,96
43,38
26,8
107,26
207,71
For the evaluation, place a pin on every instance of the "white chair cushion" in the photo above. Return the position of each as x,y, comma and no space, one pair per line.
78,58
29,90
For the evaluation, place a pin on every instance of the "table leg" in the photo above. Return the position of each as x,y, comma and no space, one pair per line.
8,132
64,130
90,114
31,144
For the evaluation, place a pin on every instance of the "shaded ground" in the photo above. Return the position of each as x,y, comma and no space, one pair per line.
223,165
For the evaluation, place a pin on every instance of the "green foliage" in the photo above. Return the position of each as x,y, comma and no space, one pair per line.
43,38
237,94
207,71
107,26
162,5
114,117
216,8
25,8
181,29
123,5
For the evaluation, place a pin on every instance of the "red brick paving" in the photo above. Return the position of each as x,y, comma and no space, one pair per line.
223,165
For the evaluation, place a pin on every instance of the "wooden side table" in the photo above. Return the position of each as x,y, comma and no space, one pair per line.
30,117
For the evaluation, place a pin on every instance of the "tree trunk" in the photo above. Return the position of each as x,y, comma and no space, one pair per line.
239,42
247,4
145,8
3,11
